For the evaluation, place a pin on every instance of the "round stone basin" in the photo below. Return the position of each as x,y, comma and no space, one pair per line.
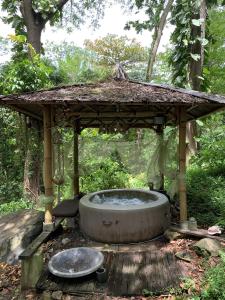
75,262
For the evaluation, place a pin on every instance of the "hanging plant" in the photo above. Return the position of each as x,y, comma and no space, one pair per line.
44,200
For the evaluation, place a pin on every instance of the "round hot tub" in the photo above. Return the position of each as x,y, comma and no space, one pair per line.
124,215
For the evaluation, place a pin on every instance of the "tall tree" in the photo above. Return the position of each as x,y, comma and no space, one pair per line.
157,12
31,16
113,51
188,55
197,51
190,39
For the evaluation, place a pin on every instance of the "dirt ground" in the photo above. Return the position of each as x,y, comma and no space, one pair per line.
10,274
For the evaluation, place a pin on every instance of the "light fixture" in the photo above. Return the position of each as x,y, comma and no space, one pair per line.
159,120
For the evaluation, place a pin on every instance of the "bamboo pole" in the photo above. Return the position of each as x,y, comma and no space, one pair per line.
76,187
48,162
161,158
182,164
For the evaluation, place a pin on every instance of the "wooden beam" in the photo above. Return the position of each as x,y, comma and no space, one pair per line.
40,239
201,233
129,125
25,112
48,162
182,164
87,115
76,187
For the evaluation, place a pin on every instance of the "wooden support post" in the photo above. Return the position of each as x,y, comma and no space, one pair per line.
48,162
76,187
161,158
182,164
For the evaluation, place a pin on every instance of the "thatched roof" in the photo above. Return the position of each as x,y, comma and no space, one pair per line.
119,99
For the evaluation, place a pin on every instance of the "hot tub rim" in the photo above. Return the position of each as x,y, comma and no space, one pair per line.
161,200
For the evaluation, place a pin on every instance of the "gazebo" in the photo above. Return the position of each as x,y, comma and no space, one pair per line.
113,104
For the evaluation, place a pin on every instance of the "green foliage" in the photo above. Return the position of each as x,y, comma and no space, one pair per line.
57,12
75,65
152,9
113,49
12,151
182,39
211,154
24,76
206,196
205,178
107,175
214,285
14,206
215,67
162,70
80,66
24,73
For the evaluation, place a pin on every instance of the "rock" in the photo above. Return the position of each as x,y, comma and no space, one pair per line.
172,235
46,296
17,232
65,241
214,230
184,255
207,246
57,295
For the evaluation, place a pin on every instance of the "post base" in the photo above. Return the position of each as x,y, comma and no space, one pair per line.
48,226
31,270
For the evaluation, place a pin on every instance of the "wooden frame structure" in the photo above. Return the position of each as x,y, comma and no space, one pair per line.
110,105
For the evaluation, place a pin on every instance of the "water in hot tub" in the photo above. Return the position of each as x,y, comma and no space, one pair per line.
114,200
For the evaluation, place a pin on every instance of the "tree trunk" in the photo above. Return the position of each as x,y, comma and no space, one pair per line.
34,24
32,161
195,72
196,65
156,39
34,37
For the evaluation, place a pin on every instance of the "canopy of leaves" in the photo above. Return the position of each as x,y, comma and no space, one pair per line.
152,9
113,49
23,74
58,12
215,65
183,19
76,65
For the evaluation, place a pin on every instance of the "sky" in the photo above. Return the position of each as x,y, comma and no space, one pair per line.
113,23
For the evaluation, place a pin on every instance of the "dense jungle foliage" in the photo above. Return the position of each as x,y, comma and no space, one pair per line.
125,158
119,159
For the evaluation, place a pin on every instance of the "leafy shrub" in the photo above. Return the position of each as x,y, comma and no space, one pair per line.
14,206
107,175
214,285
24,75
206,196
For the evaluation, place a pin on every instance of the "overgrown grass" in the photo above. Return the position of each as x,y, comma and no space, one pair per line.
214,284
14,206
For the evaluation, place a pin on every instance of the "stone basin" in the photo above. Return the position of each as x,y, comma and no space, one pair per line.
75,262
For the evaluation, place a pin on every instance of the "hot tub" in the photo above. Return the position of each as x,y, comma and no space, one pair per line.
124,215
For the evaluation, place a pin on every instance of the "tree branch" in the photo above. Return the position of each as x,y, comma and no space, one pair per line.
59,6
61,3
